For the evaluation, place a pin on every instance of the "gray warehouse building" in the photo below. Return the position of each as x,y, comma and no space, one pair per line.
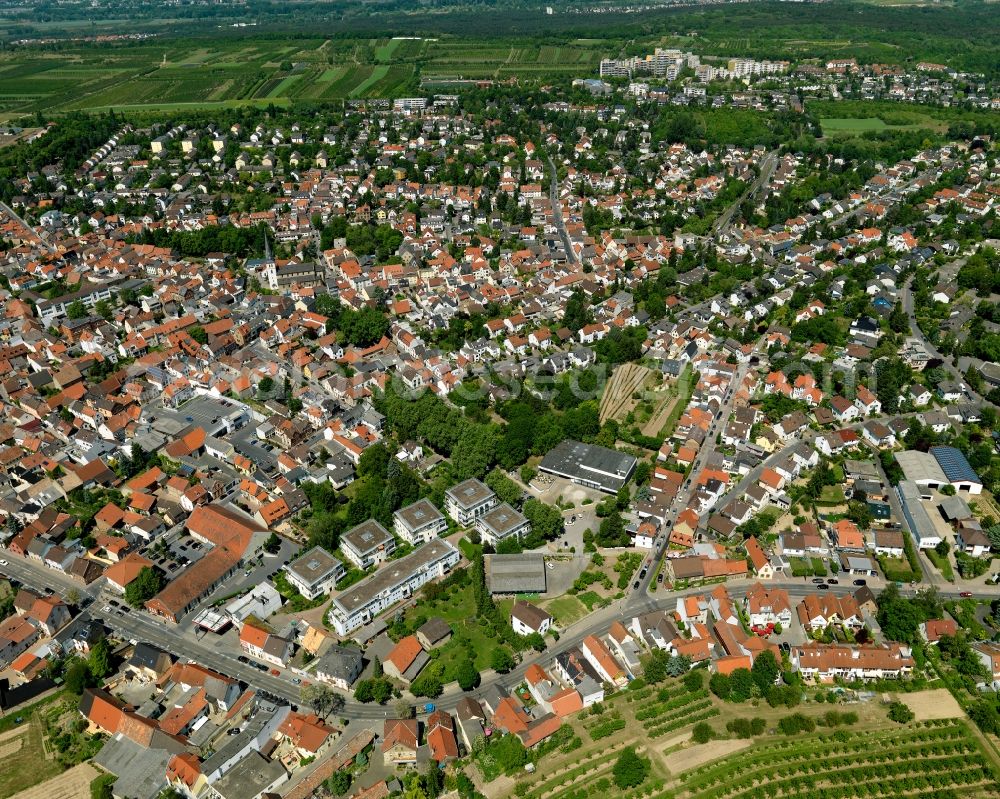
589,465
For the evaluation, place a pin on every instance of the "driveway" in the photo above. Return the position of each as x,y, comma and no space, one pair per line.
550,490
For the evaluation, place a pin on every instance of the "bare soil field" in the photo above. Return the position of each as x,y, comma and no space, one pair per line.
617,400
936,704
694,756
71,784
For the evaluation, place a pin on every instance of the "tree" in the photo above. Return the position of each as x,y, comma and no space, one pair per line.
629,769
546,521
76,310
374,461
765,670
99,661
428,685
467,676
145,586
104,309
741,685
321,699
78,676
694,681
382,691
272,544
720,685
898,616
612,531
900,713
364,691
677,665
702,733
402,709
265,386
377,670
339,783
501,661
197,332
506,489
985,716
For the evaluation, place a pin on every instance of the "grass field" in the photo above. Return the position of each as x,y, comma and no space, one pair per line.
832,126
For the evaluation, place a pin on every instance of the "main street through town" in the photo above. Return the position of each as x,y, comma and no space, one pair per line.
138,626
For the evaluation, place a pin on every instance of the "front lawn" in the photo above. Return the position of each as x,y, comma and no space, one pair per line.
471,639
942,563
566,610
897,570
805,567
832,496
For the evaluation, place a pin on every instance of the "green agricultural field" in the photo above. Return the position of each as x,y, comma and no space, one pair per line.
834,126
282,89
376,75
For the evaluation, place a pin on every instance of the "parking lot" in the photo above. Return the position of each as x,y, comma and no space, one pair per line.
550,489
247,444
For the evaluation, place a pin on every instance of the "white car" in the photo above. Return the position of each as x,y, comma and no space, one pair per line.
4,563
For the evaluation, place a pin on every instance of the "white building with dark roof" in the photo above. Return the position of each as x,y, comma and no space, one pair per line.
368,544
361,603
469,500
419,522
315,573
502,523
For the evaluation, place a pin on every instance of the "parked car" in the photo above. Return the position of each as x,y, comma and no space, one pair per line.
823,587
965,594
833,581
861,582
635,585
276,672
818,580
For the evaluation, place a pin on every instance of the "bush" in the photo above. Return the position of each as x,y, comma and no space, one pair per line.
702,733
100,787
719,685
796,723
900,713
833,718
694,681
746,728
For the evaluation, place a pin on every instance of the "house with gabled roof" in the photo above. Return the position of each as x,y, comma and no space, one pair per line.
401,742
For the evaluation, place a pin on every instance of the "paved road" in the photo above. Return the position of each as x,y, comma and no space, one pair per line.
141,627
767,167
557,211
930,576
41,237
684,494
917,333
